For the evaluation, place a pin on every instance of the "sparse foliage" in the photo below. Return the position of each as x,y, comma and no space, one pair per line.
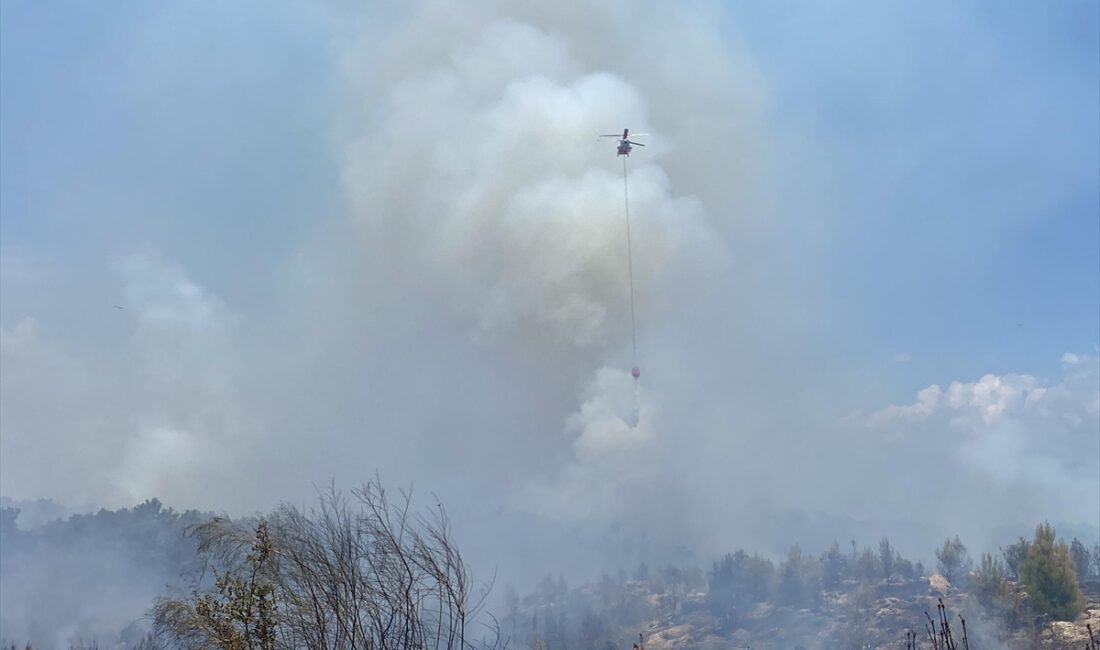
238,615
366,573
942,636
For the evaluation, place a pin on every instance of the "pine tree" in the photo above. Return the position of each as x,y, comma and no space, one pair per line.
954,561
1050,577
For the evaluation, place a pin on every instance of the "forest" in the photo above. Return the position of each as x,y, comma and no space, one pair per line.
366,569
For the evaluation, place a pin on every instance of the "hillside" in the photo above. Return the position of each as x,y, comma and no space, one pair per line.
862,617
96,577
746,602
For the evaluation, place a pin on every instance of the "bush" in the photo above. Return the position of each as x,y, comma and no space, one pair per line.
1050,577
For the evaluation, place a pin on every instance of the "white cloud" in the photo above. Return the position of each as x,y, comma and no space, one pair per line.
928,399
1012,431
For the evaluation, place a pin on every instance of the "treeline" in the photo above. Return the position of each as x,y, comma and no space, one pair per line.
90,576
151,534
738,580
365,570
1027,583
1049,573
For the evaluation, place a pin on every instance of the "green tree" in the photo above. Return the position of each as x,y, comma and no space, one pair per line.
886,558
1081,558
918,569
989,579
1015,554
736,582
867,568
834,567
1050,577
954,561
904,568
800,579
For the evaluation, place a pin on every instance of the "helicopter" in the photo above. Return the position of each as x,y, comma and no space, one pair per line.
624,141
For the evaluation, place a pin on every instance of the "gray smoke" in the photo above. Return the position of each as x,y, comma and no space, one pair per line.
460,321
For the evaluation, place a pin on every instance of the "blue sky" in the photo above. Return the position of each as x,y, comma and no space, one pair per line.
337,220
966,145
963,141
200,132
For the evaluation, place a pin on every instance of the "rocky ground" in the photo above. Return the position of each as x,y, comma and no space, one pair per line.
869,617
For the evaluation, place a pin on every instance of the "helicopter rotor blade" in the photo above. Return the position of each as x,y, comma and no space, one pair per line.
636,144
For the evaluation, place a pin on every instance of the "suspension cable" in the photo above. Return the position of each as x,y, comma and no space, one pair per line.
630,267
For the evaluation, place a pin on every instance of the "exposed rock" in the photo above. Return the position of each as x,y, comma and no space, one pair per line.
875,616
937,584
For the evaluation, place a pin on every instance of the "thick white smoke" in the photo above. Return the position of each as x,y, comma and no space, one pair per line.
615,455
158,416
482,175
479,175
461,323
